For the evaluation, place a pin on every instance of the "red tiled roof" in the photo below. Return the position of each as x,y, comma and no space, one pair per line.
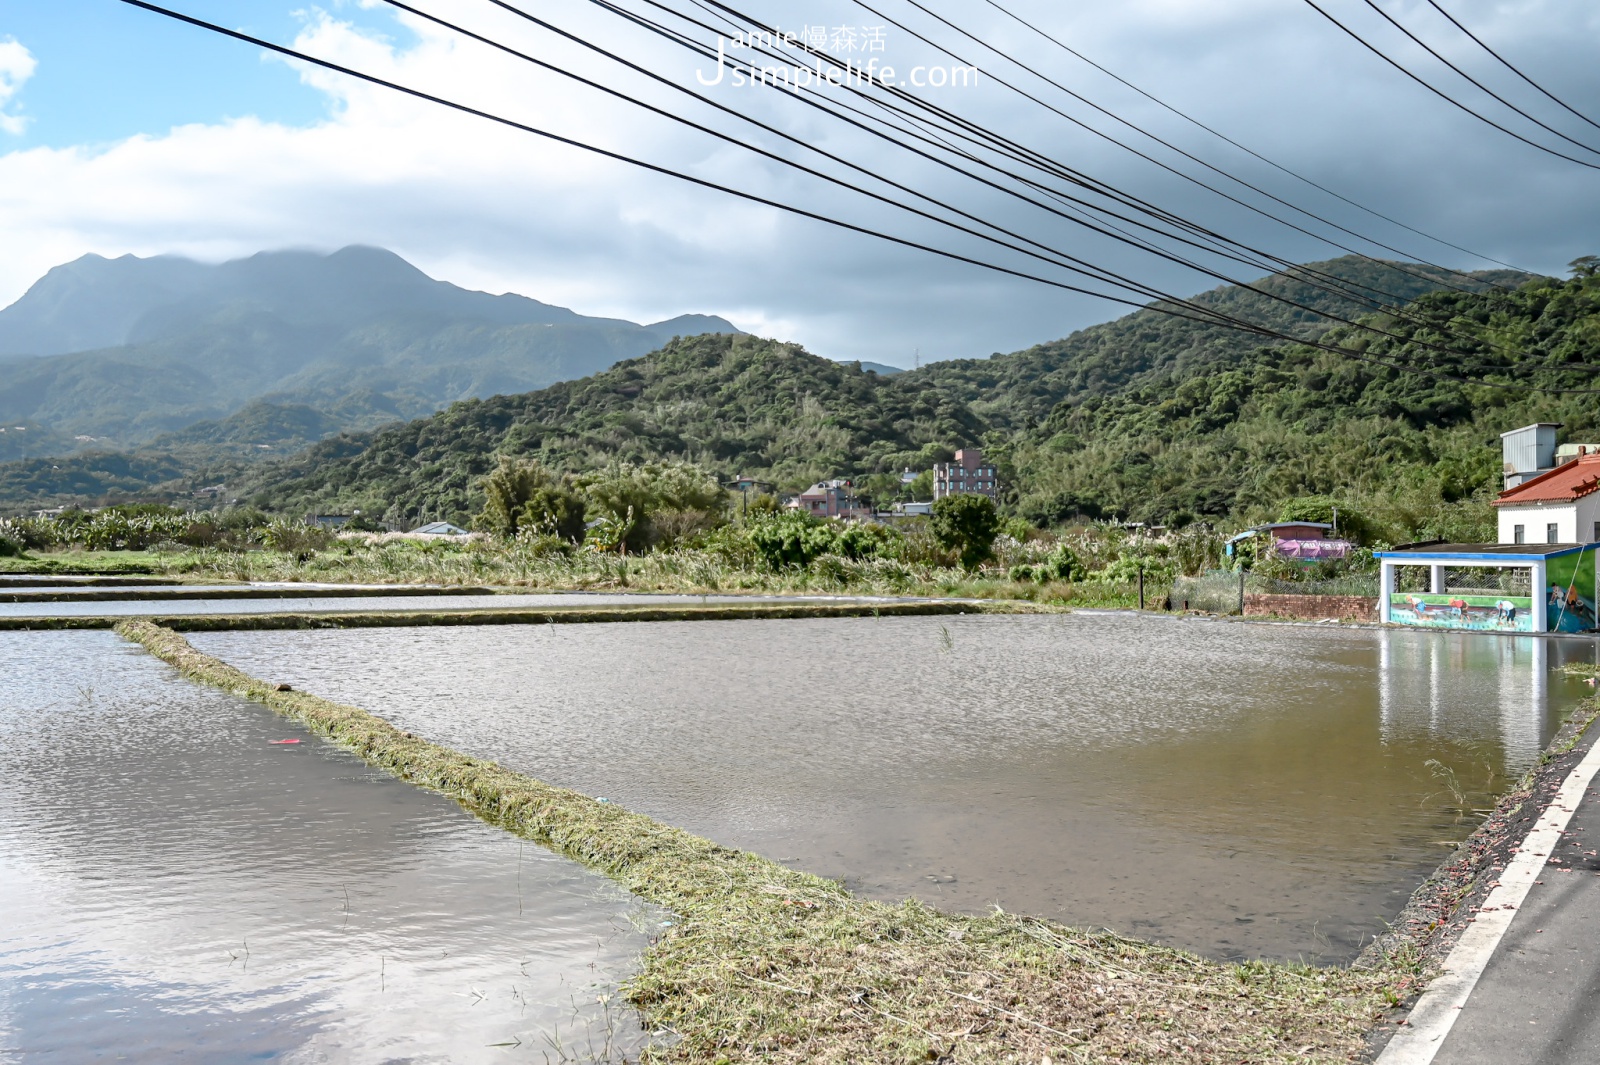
1563,484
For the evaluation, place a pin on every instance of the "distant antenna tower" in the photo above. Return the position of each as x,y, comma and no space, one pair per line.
916,360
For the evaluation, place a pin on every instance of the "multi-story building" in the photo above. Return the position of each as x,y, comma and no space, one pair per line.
967,475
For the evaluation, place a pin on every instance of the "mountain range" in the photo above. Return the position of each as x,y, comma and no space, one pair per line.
123,353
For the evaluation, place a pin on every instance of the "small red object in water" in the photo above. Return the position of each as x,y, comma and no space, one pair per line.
275,742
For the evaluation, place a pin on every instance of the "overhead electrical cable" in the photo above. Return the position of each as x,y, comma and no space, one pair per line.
921,128
802,212
984,132
1441,94
1244,148
1270,267
1509,66
1391,20
1049,255
968,130
420,94
1343,289
1159,140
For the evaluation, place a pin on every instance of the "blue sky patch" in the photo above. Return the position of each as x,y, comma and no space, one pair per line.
108,71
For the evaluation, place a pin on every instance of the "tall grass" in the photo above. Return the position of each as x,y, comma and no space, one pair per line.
692,571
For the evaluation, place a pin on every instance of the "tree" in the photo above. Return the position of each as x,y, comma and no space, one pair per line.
967,525
672,494
523,495
1585,266
556,510
507,489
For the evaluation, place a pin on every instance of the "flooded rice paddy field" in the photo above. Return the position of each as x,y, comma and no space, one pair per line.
1241,790
177,883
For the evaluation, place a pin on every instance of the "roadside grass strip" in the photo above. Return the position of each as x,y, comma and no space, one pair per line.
765,963
491,615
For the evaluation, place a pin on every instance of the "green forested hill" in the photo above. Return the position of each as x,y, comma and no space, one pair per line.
1019,390
1293,420
737,404
1147,417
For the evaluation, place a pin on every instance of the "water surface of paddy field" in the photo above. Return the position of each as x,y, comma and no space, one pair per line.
177,884
1243,790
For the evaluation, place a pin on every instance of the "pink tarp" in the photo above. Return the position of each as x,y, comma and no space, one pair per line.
1313,550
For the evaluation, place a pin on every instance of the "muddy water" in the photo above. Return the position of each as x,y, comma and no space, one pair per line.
1243,790
176,885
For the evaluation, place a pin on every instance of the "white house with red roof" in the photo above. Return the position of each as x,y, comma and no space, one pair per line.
1559,506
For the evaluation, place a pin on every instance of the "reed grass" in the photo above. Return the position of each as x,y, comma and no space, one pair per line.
692,571
765,963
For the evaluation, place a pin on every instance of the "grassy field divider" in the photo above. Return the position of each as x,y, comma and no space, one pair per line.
765,963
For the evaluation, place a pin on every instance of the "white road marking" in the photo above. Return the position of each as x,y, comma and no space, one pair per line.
1436,1011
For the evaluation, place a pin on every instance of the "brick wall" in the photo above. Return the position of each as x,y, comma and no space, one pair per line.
1358,607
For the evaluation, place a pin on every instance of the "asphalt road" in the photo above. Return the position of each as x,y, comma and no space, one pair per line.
1538,1000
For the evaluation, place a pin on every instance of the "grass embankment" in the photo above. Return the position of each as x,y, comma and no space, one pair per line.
767,963
389,619
83,563
505,566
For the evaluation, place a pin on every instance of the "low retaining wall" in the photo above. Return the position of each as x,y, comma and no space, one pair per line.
1313,607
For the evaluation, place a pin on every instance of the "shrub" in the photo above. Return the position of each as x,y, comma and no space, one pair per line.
642,494
553,510
11,540
791,540
967,525
1125,570
295,537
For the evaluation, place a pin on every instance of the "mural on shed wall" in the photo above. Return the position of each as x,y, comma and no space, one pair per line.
1479,613
1569,592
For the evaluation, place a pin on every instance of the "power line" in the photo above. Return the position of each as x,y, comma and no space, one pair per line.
1508,65
1053,257
755,198
1159,140
1248,151
1446,97
1314,276
1391,20
1307,275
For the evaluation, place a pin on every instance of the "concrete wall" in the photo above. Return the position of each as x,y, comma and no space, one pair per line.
1574,521
1313,607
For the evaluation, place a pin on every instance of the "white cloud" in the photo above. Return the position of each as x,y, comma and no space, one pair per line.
16,67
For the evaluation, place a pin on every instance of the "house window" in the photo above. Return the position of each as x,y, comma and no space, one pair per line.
1550,534
1519,534
1597,532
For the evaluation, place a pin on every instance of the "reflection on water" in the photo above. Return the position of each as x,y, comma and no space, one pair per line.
1243,790
178,883
1436,686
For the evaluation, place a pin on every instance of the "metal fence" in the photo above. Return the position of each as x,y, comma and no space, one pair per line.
1219,591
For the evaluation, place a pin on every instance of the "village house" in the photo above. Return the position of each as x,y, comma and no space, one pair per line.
1550,495
831,499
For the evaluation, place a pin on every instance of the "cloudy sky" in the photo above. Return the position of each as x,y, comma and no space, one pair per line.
123,132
